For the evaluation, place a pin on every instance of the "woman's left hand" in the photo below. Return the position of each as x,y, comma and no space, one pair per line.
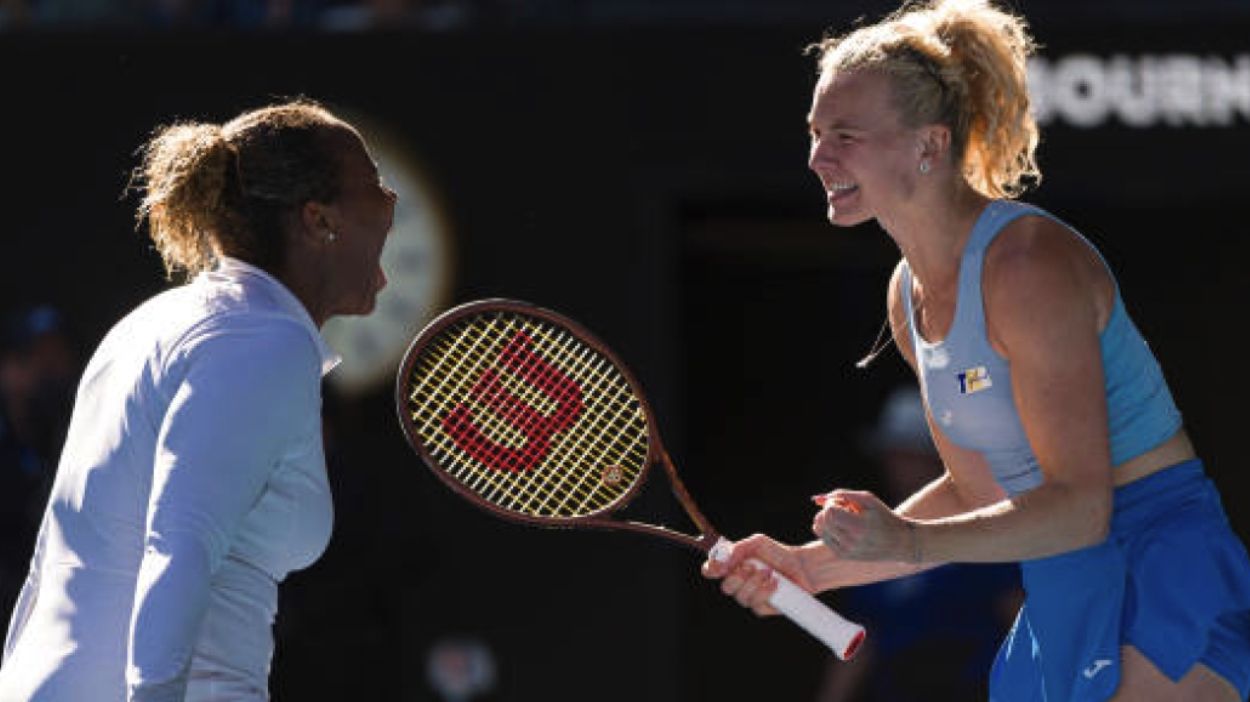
858,526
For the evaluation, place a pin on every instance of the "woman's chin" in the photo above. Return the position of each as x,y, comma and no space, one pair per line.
361,309
843,218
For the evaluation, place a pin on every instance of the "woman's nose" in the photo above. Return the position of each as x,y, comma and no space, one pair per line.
818,154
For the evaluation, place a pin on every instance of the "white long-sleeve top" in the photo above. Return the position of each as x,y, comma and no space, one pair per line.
192,481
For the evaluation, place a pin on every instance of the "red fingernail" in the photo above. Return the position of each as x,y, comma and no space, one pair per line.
820,499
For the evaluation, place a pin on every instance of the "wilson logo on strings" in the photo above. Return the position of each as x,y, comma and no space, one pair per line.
514,415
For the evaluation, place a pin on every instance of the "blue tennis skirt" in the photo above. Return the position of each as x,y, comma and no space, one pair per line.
1172,580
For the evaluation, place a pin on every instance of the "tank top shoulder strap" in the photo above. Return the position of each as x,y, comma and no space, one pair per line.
992,220
905,294
996,216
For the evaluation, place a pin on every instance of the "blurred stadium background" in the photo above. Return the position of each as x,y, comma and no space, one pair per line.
640,166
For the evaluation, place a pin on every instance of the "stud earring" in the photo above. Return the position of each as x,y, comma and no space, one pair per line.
924,167
332,237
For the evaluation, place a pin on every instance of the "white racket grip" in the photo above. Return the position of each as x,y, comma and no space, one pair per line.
841,635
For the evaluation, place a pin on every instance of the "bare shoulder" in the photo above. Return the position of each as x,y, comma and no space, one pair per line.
1034,245
1038,271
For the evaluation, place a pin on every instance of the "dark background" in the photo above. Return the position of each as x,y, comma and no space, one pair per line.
641,169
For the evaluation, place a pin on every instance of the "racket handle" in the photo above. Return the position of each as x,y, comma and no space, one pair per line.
841,635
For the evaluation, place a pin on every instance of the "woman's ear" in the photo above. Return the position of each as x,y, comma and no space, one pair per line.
316,222
934,141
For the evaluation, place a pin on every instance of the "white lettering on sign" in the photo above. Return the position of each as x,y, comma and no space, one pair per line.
1174,90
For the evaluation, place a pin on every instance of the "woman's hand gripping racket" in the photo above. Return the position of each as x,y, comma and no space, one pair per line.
527,415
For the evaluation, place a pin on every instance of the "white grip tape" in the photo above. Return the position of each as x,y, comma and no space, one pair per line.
842,636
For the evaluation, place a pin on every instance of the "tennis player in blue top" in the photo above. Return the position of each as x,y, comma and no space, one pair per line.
1062,446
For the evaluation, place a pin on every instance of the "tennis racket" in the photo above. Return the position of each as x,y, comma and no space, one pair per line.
527,415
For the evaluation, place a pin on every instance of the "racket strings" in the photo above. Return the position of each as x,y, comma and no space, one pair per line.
540,423
576,487
589,442
454,365
613,421
495,485
510,434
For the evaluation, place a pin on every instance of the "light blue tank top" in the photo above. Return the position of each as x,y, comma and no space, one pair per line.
967,384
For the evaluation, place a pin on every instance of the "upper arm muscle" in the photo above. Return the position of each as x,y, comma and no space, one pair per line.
1044,309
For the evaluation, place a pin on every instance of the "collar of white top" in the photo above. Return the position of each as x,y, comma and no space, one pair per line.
236,270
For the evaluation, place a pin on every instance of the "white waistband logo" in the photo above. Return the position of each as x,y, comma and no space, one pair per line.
1096,668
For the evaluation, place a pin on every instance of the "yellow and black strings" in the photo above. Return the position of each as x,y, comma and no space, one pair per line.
585,361
441,380
473,350
587,467
589,445
596,443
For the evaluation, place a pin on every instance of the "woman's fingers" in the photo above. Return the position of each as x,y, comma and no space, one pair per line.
751,585
839,526
858,526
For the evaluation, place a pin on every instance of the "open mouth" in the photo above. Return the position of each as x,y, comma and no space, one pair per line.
839,190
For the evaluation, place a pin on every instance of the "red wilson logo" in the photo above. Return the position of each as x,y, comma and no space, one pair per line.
519,358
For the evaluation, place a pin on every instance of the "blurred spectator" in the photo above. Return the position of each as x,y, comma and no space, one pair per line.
364,15
160,14
237,14
326,15
85,13
13,13
931,636
444,15
38,371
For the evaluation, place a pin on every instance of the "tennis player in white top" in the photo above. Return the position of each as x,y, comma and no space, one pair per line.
193,479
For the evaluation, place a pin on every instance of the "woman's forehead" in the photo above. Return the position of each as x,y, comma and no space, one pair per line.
858,80
853,91
354,153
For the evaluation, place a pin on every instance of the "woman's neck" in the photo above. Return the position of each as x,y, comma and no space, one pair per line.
303,282
932,233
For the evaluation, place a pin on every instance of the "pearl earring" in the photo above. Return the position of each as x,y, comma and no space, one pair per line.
924,167
331,237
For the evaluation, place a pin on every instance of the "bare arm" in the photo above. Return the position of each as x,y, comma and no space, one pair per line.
818,568
1046,298
965,486
1046,302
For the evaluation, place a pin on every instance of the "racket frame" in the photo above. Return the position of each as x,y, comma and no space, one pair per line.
598,519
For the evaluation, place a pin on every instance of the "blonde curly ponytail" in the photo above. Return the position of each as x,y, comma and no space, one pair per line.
961,63
184,171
